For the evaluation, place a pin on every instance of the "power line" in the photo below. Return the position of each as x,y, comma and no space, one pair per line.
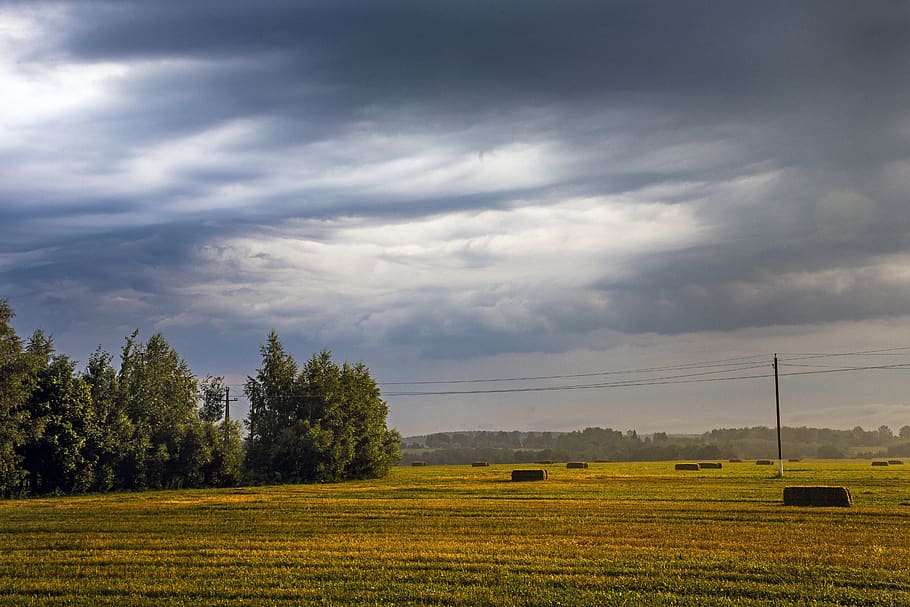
901,366
629,384
654,381
733,363
729,362
659,381
905,350
715,367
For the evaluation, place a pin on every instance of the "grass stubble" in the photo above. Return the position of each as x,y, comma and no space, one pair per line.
612,534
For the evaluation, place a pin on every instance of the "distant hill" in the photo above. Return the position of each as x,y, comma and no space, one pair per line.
606,444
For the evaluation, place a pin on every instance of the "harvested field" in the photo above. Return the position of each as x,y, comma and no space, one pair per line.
621,534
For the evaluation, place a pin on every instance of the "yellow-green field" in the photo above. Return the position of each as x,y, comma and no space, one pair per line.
612,534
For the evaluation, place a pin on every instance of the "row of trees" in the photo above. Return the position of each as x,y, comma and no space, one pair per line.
104,429
324,422
803,441
591,444
608,444
599,439
152,424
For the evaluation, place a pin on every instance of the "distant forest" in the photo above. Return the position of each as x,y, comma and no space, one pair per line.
606,444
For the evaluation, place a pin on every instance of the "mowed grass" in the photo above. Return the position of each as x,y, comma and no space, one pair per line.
612,534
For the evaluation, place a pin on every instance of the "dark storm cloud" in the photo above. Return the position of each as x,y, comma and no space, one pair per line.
815,92
817,67
141,259
583,46
312,62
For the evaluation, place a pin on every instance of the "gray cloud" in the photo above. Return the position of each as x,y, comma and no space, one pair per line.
552,175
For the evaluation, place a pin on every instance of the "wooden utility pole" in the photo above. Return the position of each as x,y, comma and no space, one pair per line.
780,456
227,403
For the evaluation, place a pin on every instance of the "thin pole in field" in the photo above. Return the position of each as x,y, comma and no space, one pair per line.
780,456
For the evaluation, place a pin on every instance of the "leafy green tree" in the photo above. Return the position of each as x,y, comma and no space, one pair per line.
158,384
327,423
212,393
159,394
16,384
192,454
224,440
329,429
108,440
273,411
60,418
376,447
226,466
63,432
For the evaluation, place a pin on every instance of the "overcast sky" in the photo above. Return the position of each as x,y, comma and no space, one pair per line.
464,190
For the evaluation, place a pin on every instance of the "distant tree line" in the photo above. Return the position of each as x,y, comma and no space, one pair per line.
152,424
606,444
823,443
590,444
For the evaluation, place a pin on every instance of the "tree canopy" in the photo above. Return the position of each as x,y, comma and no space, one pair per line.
103,429
151,423
324,422
16,385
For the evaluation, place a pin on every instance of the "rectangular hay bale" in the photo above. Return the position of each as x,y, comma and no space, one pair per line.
818,496
418,463
576,464
895,462
529,475
879,463
762,462
480,464
686,467
714,465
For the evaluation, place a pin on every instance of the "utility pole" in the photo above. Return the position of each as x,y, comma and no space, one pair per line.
227,403
780,456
